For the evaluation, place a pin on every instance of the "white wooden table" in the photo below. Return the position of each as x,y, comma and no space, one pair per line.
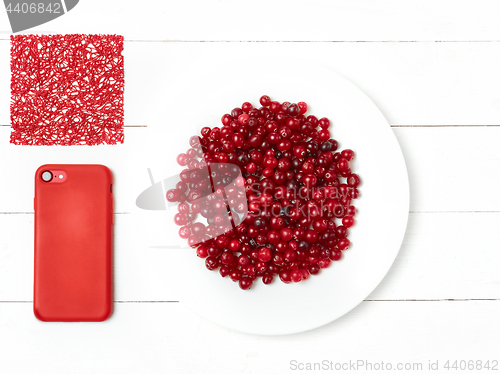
432,67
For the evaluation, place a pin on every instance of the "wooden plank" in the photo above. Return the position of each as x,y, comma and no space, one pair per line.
164,337
450,168
19,164
446,256
412,83
140,273
443,256
365,20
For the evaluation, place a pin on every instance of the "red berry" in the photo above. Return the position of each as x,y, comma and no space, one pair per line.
311,236
324,123
243,118
347,154
286,234
267,278
227,258
296,275
246,107
353,180
201,251
173,195
245,283
314,269
235,275
234,245
335,255
184,232
243,260
293,110
343,243
324,263
274,106
343,165
324,135
302,107
265,100
285,276
264,254
290,255
211,263
180,219
348,221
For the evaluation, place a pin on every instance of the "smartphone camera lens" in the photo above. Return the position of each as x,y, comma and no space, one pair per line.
46,176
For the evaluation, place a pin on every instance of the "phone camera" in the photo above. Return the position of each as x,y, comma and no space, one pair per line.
47,176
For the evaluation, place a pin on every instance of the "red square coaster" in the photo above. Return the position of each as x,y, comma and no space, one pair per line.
66,89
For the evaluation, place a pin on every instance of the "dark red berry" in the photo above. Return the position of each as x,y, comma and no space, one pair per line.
211,263
245,283
265,100
285,276
267,278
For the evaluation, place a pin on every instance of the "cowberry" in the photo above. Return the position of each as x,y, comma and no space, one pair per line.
279,166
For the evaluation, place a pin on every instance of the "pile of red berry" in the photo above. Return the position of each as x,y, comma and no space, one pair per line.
276,196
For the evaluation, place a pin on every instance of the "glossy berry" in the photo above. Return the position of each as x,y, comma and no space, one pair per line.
348,221
285,276
324,123
296,275
302,106
267,278
245,283
180,219
347,154
324,263
353,180
343,164
314,269
234,245
235,275
265,100
335,255
201,251
184,232
265,254
211,263
173,195
343,243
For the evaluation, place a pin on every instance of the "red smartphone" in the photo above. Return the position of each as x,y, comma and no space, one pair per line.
73,243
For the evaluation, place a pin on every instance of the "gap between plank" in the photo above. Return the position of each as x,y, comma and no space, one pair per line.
452,211
393,126
296,41
436,300
125,126
176,301
34,213
411,212
469,126
307,41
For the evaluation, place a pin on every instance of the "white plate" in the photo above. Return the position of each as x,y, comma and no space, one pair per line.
382,208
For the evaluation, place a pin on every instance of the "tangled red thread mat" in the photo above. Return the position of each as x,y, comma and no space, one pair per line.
66,89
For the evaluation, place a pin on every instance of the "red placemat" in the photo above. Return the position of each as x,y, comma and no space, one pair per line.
66,89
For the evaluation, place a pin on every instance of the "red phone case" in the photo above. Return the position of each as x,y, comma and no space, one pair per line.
73,244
